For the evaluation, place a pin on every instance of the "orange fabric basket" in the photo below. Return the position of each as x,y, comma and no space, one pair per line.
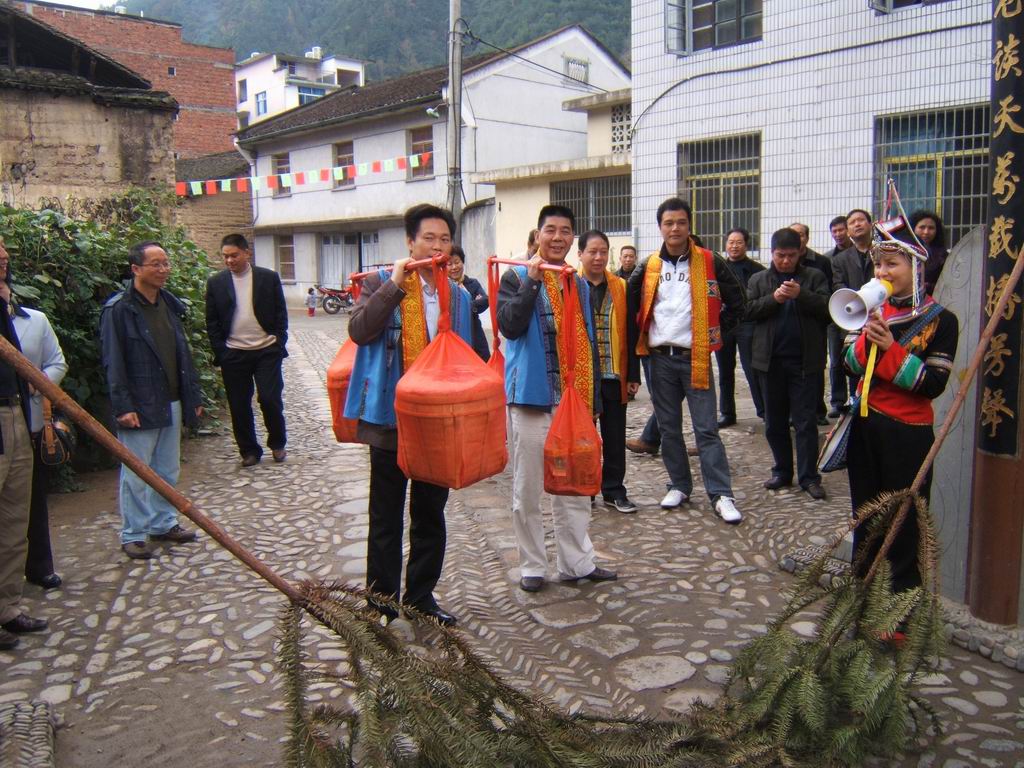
572,450
450,407
338,375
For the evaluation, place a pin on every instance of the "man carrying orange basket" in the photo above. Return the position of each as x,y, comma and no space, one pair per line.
530,304
393,321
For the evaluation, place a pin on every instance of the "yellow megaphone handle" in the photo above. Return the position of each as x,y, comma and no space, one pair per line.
869,371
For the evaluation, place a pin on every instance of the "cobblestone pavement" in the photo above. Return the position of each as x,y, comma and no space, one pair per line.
171,662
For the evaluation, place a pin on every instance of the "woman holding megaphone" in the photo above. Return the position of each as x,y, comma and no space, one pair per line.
904,355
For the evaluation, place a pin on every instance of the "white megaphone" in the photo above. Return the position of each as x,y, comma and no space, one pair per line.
850,309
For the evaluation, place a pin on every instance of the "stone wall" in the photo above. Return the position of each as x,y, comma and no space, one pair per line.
69,145
203,79
208,218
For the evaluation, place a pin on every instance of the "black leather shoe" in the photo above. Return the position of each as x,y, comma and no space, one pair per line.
531,583
251,460
23,623
598,574
438,614
777,482
726,421
50,581
835,413
815,491
822,421
7,640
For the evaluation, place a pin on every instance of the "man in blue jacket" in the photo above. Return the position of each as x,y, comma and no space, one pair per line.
153,387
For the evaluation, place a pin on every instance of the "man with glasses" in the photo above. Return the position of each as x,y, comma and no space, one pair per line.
153,387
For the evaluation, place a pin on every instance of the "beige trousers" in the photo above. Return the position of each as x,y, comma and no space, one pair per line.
15,494
574,552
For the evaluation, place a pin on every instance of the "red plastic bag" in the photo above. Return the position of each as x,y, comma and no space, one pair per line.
572,450
338,375
451,411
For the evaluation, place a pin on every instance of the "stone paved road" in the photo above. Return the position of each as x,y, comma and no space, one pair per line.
170,662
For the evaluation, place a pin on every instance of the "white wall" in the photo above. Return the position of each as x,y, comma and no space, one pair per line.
812,86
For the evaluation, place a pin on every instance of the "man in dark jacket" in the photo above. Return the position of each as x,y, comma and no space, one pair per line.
247,322
836,372
853,267
153,387
15,485
811,258
789,304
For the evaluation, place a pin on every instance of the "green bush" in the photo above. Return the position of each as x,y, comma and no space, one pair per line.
68,258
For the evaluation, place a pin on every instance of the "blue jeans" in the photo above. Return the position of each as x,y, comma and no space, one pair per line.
651,434
143,510
670,385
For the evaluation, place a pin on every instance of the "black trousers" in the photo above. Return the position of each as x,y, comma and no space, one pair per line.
884,455
39,562
243,372
613,437
789,393
427,534
739,339
836,372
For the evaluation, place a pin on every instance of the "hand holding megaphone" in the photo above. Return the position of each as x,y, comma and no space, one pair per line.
850,309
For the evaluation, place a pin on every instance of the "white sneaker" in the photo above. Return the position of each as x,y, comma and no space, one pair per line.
673,499
725,508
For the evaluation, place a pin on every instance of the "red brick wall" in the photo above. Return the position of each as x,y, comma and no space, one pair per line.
203,83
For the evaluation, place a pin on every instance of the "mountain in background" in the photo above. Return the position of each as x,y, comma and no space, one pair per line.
393,36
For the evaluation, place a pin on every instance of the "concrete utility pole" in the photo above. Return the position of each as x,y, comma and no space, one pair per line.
997,520
455,108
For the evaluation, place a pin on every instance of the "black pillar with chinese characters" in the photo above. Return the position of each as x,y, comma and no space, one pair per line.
997,518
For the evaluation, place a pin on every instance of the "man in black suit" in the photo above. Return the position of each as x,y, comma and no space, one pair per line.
247,321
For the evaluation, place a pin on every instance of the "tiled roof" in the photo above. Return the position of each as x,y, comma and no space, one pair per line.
68,84
223,165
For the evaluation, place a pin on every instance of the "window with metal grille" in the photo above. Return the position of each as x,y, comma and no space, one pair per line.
722,180
577,69
344,155
622,125
421,140
939,160
280,166
603,203
308,93
284,255
696,25
888,6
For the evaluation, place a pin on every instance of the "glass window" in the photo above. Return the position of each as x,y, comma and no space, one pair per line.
284,254
603,203
422,140
344,155
261,103
722,180
940,163
243,91
308,93
280,165
695,25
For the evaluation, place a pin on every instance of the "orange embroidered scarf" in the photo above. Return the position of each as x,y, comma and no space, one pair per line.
414,321
706,302
584,368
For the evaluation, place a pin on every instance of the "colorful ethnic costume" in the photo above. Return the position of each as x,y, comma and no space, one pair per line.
530,317
392,326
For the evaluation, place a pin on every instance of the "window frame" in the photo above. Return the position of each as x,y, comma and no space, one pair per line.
280,164
279,246
262,102
311,97
590,195
423,171
339,160
243,90
568,62
679,16
885,7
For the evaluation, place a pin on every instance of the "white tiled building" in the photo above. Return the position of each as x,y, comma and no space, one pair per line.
267,84
766,112
512,114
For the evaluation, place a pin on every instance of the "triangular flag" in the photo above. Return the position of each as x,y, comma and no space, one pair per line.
180,189
363,169
339,173
286,180
389,165
402,163
350,171
325,174
376,166
211,187
242,184
272,182
197,187
414,161
300,178
225,185
425,158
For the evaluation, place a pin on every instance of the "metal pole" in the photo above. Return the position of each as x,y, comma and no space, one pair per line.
455,108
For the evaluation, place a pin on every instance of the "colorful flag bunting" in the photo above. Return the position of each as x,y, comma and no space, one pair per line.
389,165
242,184
339,173
225,185
286,180
376,166
402,163
256,183
364,169
414,161
197,187
325,174
350,171
425,158
180,189
300,179
271,182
